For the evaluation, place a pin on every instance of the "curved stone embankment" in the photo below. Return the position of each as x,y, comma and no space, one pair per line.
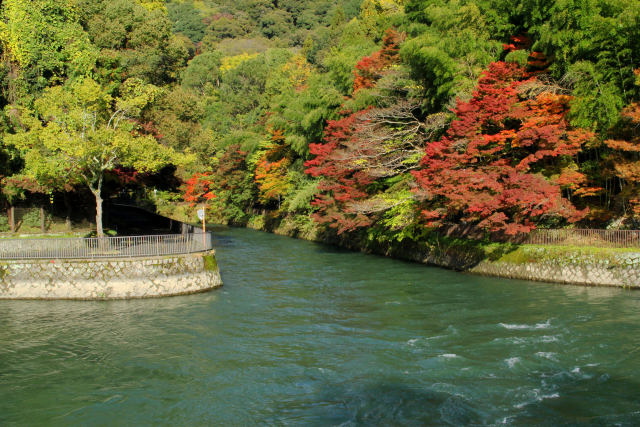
116,278
578,268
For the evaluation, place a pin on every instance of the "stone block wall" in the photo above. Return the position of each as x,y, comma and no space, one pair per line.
604,268
117,278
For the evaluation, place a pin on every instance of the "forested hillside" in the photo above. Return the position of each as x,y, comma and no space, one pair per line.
381,119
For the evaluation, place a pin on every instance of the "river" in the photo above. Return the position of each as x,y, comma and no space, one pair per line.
306,334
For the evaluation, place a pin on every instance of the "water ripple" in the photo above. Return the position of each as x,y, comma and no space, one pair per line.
305,334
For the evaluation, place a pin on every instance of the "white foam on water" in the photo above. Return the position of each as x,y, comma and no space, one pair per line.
412,342
449,331
577,371
538,397
549,396
544,325
511,362
549,338
547,355
449,355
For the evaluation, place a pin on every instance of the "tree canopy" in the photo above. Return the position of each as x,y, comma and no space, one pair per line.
374,118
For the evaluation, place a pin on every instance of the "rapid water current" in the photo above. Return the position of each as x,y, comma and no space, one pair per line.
306,334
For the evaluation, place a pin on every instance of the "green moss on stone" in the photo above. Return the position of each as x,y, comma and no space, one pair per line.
571,255
210,263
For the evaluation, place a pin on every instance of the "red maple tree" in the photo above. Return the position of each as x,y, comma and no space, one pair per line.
488,169
198,188
342,183
370,68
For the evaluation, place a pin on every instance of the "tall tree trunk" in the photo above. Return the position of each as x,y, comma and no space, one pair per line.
97,193
67,205
99,229
12,219
42,230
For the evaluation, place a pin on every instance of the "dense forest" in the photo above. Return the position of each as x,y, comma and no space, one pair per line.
375,119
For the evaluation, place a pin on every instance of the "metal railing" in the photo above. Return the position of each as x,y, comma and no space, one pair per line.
585,237
105,247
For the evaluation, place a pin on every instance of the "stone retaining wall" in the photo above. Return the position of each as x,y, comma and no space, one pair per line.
117,278
579,268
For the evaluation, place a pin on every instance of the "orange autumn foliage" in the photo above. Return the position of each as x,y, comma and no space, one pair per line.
624,160
370,68
271,169
198,188
487,170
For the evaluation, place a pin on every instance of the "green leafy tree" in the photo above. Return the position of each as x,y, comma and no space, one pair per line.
134,39
276,23
82,130
203,70
448,48
186,20
228,27
43,42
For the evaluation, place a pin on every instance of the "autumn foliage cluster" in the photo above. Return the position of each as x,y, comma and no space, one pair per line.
503,163
342,183
198,188
381,120
370,68
489,168
271,169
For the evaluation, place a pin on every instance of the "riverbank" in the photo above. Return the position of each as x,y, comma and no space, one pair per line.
575,265
584,266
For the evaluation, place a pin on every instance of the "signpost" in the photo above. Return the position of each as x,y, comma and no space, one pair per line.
201,216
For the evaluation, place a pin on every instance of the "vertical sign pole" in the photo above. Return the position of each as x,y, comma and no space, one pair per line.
204,215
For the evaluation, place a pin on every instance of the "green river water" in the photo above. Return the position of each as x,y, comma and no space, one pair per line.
305,334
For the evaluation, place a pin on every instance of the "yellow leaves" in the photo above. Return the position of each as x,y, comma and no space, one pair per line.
4,36
373,8
271,178
136,95
297,70
152,5
14,15
229,63
588,191
570,178
89,92
46,33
